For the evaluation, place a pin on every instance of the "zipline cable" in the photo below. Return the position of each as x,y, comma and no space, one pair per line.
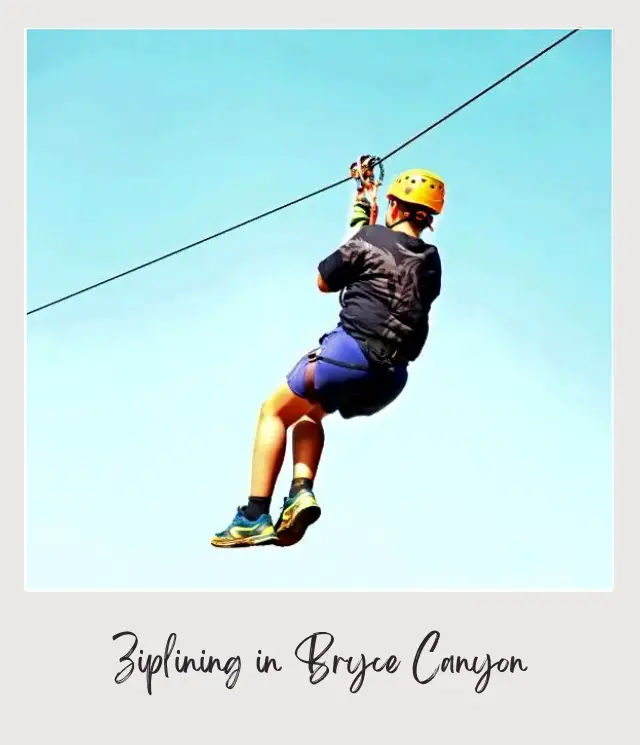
311,194
479,95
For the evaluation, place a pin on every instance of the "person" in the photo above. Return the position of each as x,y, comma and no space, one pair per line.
388,279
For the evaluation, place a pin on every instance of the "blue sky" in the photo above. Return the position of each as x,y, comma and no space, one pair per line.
492,471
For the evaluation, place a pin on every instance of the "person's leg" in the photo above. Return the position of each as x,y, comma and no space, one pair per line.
300,508
311,378
252,524
282,409
308,443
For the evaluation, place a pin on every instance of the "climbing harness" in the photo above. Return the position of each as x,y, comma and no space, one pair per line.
380,355
363,172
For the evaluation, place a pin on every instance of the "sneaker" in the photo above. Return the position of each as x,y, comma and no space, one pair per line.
243,532
298,513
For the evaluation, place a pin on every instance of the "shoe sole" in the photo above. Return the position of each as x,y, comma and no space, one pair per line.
293,527
244,542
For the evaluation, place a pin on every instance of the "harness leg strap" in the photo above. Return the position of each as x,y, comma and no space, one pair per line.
310,377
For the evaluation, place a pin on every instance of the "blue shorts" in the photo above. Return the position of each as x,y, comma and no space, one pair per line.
352,392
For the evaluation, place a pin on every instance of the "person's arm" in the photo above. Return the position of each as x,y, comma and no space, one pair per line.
342,267
430,281
345,265
362,170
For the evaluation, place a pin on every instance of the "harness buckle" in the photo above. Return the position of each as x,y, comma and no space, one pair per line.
383,353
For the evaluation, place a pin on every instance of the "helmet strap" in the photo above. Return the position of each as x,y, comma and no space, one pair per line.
411,215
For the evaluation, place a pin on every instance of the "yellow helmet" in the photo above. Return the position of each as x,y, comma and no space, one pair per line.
419,187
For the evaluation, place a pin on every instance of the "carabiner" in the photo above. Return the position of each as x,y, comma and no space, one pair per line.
363,171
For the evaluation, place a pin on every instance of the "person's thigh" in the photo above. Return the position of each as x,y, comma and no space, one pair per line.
372,395
320,381
344,380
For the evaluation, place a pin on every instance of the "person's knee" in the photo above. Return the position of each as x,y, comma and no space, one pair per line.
283,404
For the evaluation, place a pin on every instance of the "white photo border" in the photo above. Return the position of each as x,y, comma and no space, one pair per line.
61,658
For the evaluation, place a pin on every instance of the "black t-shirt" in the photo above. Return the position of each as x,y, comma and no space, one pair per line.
389,282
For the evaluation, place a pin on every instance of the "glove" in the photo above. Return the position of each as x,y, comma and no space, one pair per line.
361,211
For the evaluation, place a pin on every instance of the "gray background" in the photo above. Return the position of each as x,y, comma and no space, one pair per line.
59,659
